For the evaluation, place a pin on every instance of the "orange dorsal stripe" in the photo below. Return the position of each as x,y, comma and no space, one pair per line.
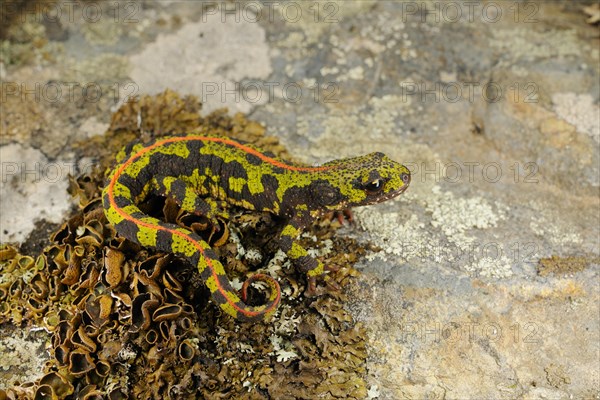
195,243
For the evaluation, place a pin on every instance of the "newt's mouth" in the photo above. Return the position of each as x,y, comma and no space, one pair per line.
386,196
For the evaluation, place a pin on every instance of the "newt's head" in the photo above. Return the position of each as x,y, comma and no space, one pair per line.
359,181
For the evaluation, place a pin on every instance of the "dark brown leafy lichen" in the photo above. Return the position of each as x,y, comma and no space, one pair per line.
128,322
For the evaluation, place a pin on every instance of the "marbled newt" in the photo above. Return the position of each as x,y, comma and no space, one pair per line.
204,174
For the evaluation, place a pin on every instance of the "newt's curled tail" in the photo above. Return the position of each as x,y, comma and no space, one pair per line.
147,231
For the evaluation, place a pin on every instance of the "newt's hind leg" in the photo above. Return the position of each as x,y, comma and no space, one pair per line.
312,267
190,200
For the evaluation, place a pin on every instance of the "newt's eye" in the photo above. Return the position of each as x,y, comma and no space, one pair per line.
374,187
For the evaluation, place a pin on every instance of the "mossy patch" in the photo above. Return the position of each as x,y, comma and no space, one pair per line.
556,265
130,322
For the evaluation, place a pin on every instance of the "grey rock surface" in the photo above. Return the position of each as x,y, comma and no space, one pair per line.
493,106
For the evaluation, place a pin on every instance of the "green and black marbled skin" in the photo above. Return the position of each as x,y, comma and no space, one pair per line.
205,173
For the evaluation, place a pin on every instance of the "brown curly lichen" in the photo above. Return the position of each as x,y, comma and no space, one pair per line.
130,322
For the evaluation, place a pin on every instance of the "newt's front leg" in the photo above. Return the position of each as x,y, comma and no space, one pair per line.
288,242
